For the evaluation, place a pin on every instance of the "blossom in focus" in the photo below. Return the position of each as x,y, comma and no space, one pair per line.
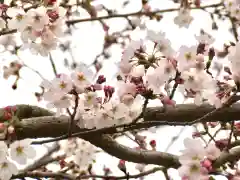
7,169
18,20
193,171
22,150
37,18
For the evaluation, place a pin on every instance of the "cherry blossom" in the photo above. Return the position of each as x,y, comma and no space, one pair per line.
184,18
186,57
205,38
62,84
194,151
81,81
3,150
193,171
18,20
37,18
60,104
212,152
85,154
163,44
13,69
22,150
7,169
134,45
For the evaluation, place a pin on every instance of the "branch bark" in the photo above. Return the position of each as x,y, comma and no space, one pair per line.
37,122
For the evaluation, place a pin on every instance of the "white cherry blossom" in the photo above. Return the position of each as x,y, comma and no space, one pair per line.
62,84
212,152
22,150
13,68
60,104
43,48
156,77
194,151
7,169
28,33
193,171
104,119
163,44
37,18
17,20
138,71
3,150
184,18
88,120
186,57
129,51
117,110
80,80
56,27
90,99
85,154
205,38
125,88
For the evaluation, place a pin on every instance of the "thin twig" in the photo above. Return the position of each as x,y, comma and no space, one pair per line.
139,13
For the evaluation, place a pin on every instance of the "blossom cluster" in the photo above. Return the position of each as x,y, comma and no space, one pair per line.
186,66
82,151
233,8
19,152
39,27
196,161
96,107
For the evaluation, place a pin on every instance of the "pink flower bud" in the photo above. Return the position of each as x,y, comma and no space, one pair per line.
122,166
101,79
196,134
153,143
167,101
62,163
7,115
207,164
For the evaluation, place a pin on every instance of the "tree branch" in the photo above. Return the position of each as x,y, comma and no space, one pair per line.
35,124
140,13
70,177
44,175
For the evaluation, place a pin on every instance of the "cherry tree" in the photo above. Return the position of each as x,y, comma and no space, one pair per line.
82,111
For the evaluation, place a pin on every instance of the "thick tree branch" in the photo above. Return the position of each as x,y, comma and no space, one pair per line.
232,156
35,124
